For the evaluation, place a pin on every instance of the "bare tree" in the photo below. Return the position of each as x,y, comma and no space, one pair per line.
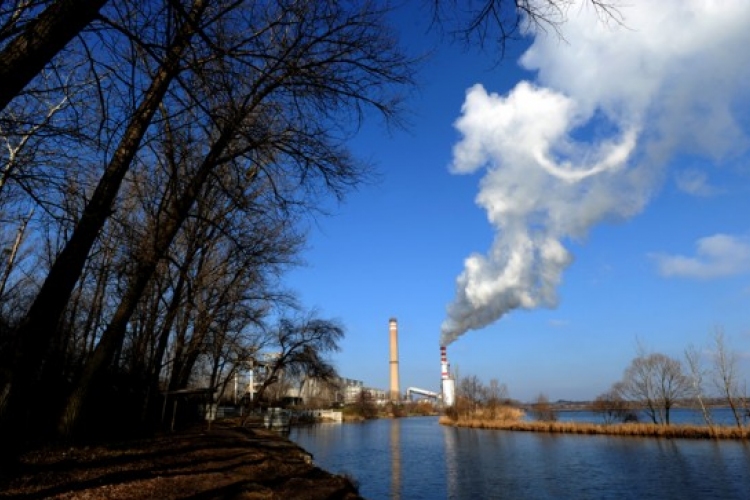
612,407
264,92
10,254
495,395
492,23
725,376
543,410
471,391
272,119
697,374
300,346
36,37
657,382
22,136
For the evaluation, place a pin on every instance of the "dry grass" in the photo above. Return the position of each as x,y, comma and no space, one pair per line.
486,419
629,429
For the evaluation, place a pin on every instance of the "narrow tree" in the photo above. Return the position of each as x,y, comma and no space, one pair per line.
697,373
725,376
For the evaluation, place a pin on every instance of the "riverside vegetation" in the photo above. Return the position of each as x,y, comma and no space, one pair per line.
619,429
652,385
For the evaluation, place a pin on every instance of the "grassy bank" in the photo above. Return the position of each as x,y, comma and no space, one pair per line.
628,429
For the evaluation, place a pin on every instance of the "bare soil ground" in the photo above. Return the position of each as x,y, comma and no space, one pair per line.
227,462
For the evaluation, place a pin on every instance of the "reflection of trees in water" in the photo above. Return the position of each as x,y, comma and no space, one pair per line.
679,459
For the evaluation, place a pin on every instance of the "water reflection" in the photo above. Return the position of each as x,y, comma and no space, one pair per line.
451,464
416,458
396,459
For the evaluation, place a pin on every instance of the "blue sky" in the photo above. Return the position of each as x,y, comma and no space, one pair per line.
618,175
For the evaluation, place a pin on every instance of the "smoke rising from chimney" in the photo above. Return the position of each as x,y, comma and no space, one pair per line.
591,139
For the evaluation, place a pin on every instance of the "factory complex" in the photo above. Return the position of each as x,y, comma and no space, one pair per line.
347,391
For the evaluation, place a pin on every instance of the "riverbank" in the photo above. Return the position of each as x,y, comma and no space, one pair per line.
226,462
625,429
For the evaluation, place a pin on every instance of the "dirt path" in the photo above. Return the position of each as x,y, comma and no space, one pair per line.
227,462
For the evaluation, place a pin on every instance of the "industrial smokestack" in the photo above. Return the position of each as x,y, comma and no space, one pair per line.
443,363
395,392
447,384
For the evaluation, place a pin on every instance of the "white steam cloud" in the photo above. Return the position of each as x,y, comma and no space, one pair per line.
589,140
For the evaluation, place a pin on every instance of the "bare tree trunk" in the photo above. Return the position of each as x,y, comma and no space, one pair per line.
725,375
25,56
142,346
166,328
94,315
157,361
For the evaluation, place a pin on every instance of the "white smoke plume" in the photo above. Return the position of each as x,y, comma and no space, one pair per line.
589,140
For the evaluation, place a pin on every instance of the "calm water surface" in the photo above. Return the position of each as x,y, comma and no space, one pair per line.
416,458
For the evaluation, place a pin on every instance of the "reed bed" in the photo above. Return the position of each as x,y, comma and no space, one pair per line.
627,429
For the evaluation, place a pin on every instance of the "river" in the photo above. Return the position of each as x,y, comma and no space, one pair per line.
417,458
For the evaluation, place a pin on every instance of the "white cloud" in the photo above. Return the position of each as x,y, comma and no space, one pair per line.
695,182
716,256
589,139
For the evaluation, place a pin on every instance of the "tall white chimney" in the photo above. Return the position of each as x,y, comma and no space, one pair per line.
447,384
395,394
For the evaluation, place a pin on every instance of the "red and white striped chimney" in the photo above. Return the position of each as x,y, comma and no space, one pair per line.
443,363
447,384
